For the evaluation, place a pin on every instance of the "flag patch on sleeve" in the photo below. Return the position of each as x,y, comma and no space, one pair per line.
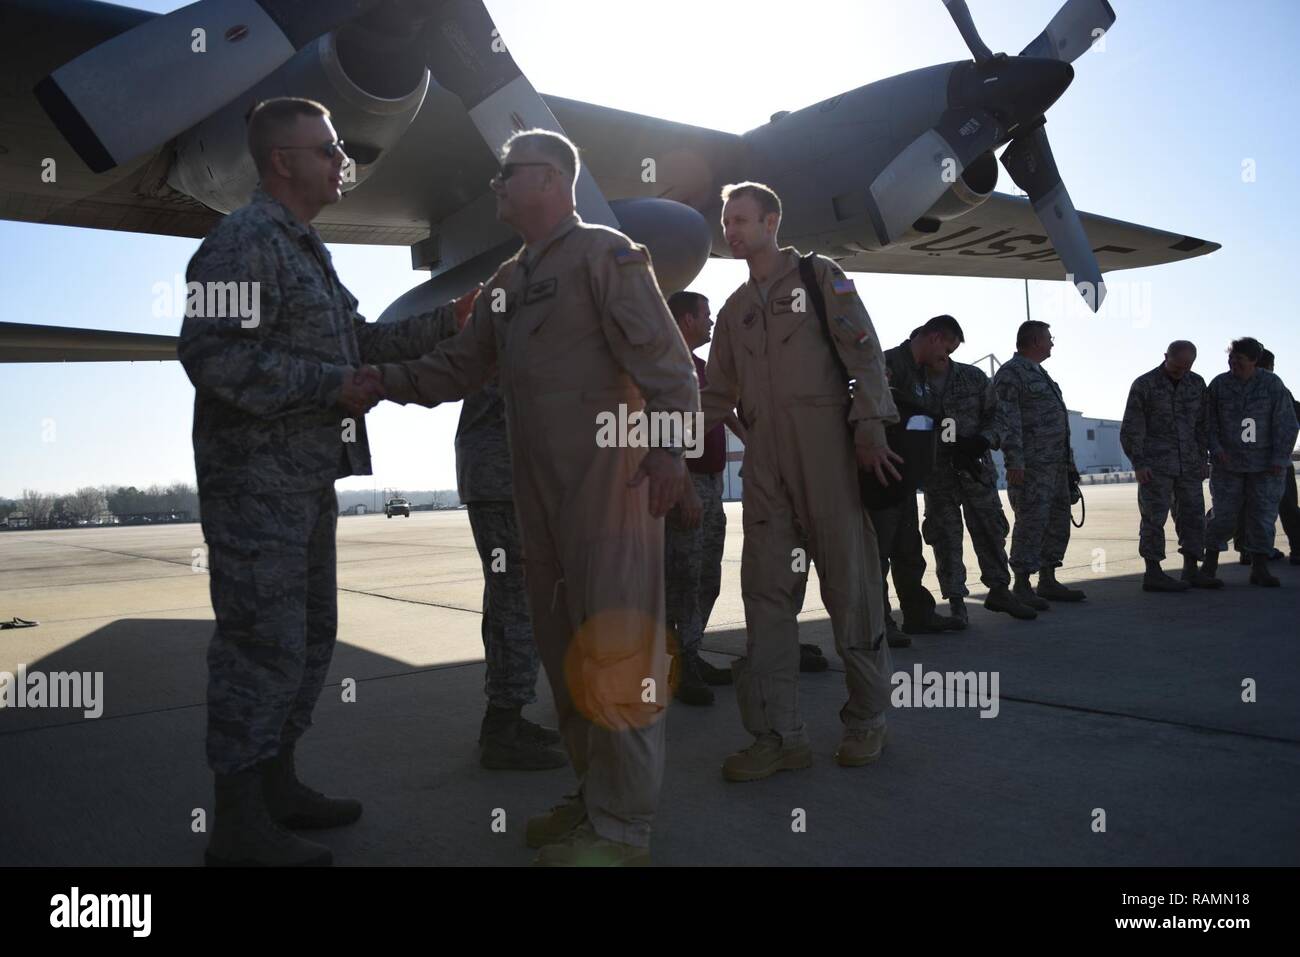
625,257
843,286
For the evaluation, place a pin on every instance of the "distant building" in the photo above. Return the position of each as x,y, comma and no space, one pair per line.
19,520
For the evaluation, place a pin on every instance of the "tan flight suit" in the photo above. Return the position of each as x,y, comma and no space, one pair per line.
581,329
770,357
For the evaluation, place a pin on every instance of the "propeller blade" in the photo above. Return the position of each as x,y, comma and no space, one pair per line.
466,55
1074,29
927,168
1030,162
960,14
136,91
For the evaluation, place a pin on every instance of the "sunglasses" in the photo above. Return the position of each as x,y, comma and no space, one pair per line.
328,150
508,169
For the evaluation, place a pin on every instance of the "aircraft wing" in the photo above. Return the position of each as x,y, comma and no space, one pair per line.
1002,239
27,343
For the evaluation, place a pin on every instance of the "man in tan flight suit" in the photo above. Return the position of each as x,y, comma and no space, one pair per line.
772,355
579,331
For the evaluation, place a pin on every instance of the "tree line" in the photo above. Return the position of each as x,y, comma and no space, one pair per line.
90,503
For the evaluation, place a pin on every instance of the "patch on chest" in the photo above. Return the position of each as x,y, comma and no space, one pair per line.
538,291
782,306
749,318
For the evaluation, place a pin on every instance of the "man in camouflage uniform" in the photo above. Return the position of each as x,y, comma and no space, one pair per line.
1251,424
580,334
1033,431
910,367
1163,434
774,356
696,530
1288,512
278,416
965,481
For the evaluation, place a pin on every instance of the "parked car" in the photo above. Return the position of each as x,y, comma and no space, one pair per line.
397,506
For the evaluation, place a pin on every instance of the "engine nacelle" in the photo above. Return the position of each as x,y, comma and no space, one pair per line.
973,187
372,89
678,237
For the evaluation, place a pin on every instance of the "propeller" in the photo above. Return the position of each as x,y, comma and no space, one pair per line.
134,92
1030,162
960,14
466,54
1019,107
1073,30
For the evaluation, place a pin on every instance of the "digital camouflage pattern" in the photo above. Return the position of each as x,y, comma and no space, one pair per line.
1253,422
1033,430
265,414
509,648
693,564
1164,430
272,579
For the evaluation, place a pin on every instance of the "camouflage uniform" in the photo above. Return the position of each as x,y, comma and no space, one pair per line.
693,556
483,482
1254,423
958,486
269,442
1033,431
1164,431
898,527
693,564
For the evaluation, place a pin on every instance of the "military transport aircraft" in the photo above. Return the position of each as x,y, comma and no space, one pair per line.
142,115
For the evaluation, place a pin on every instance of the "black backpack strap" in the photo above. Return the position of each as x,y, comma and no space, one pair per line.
808,273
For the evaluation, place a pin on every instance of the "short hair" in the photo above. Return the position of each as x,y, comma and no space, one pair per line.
1181,345
682,303
270,120
1266,359
946,326
765,196
1029,331
556,147
1252,349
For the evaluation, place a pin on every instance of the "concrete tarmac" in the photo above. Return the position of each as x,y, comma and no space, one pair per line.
1125,711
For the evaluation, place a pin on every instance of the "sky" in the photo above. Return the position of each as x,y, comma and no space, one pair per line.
1184,120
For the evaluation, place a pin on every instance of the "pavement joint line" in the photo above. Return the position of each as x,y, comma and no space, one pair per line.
203,704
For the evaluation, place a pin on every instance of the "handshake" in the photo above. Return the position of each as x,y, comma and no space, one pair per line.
362,390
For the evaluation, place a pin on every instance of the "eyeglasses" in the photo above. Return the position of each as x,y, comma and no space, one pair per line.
328,150
508,169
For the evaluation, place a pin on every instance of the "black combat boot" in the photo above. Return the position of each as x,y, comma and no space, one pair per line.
1049,587
811,658
1155,579
1024,593
294,805
1210,569
1195,577
506,743
714,677
691,687
1001,599
244,834
894,637
957,606
1259,573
